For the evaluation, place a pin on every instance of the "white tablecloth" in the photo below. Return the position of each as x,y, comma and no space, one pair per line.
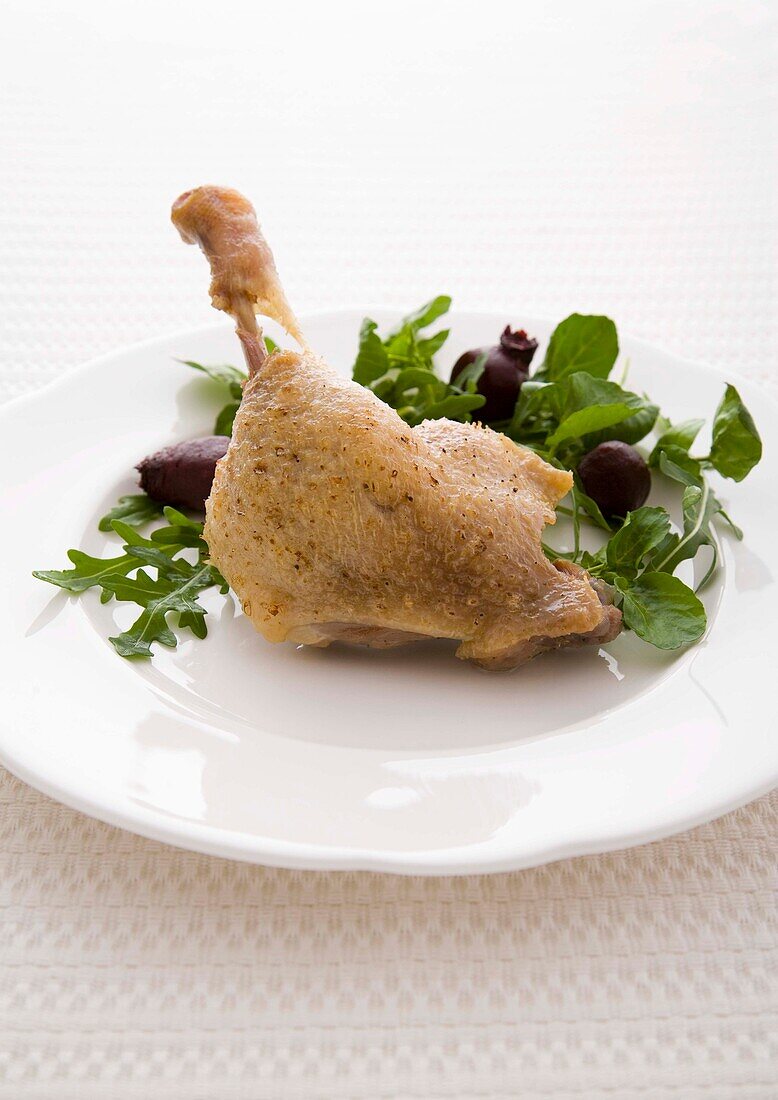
538,159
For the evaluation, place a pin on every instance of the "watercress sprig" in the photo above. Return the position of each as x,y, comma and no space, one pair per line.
568,407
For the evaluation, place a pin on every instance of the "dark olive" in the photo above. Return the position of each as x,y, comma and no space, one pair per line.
505,369
616,477
183,474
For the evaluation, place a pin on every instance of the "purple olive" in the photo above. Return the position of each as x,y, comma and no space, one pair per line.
505,370
183,474
616,478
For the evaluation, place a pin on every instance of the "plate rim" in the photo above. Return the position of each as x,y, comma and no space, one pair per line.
304,855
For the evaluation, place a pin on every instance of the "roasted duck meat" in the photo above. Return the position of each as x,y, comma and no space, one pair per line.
333,520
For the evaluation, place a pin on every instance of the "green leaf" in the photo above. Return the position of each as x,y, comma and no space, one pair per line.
581,391
179,536
680,436
736,531
219,372
131,538
88,571
233,378
642,531
225,421
580,411
384,387
175,587
736,445
162,559
631,430
399,370
699,508
593,563
662,610
583,404
470,376
591,508
402,349
141,589
680,466
173,516
148,628
532,415
134,510
413,378
582,343
581,423
432,345
425,315
372,360
270,344
454,406
151,625
402,345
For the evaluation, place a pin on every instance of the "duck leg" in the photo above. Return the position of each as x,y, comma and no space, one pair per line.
332,520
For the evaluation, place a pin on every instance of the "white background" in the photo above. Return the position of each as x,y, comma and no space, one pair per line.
537,159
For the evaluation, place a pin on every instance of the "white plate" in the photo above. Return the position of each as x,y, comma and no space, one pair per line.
405,761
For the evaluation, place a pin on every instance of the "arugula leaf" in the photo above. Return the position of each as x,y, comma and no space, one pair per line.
135,510
400,369
232,377
178,536
432,345
174,589
737,446
88,571
141,589
581,343
403,344
424,316
174,516
662,610
158,601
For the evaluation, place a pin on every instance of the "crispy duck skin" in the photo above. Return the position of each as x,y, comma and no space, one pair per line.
333,520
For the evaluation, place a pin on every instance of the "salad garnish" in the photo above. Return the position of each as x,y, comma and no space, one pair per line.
569,410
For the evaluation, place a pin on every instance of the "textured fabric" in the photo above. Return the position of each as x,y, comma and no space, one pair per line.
594,157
